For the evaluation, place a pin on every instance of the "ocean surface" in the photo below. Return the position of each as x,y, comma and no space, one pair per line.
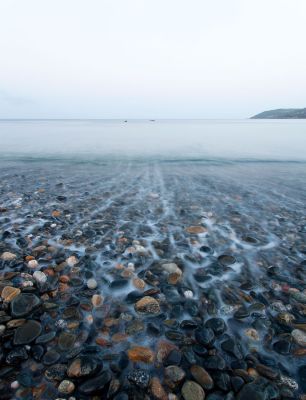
265,140
154,258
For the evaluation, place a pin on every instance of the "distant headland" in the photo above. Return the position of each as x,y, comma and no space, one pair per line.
282,113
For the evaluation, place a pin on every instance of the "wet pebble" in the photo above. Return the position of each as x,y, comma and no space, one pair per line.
27,332
192,391
139,377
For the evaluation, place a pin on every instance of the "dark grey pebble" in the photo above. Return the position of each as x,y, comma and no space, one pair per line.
51,357
282,347
27,332
96,384
17,355
232,348
241,313
226,260
188,324
214,362
56,372
47,337
24,304
217,325
205,336
37,352
302,377
139,377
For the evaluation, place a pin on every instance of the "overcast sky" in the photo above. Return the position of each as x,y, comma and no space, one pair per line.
151,58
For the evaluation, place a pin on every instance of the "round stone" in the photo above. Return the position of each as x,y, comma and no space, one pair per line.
226,260
27,332
217,325
7,256
66,341
157,390
205,336
95,384
71,261
9,293
141,353
139,377
66,387
92,283
56,372
196,230
147,305
97,300
33,264
202,377
40,277
24,304
174,375
282,347
51,357
192,391
299,337
83,366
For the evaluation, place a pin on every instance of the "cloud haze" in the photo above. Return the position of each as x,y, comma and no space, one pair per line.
151,59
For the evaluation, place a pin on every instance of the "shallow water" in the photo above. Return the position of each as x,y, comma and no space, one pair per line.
251,210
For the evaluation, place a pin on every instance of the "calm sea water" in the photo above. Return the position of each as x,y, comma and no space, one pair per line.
166,140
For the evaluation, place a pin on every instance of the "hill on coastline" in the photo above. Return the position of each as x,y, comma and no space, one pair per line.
282,113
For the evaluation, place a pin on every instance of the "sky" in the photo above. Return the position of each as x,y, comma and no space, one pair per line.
151,58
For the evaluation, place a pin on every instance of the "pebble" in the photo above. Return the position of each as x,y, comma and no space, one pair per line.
141,353
192,391
174,375
33,264
24,304
95,384
139,377
83,366
226,260
97,300
299,337
205,336
27,332
139,283
9,293
157,390
66,387
252,334
147,305
72,261
7,256
91,283
40,277
15,385
202,377
196,230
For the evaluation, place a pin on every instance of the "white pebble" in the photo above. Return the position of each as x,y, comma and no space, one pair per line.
188,294
53,225
15,385
131,267
32,264
27,283
61,323
72,260
92,283
39,276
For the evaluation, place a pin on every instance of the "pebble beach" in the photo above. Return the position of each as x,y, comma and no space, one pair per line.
152,280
